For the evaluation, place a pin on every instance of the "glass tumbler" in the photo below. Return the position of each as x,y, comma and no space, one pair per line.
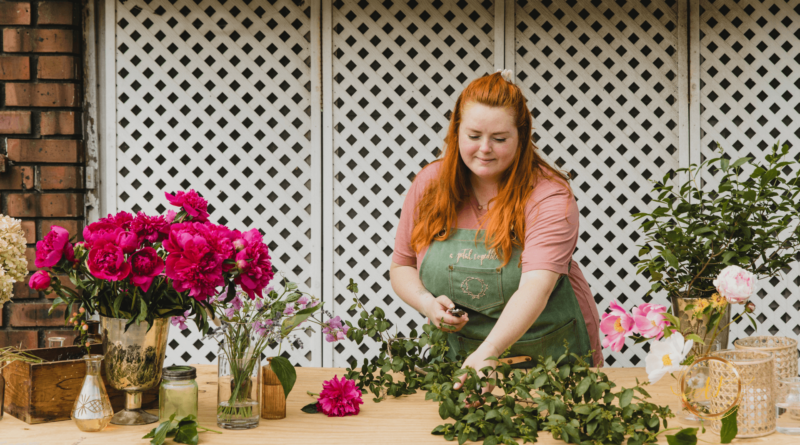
787,406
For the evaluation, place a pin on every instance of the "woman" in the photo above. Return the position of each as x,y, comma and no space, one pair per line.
515,277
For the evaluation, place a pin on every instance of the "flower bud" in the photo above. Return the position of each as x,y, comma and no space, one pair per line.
74,314
238,244
750,307
81,310
88,344
241,264
85,327
75,323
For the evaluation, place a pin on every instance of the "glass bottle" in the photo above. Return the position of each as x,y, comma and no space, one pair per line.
55,342
92,409
178,393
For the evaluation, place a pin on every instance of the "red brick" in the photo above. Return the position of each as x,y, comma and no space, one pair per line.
30,205
57,122
38,41
57,67
15,67
68,334
41,95
17,178
27,339
55,13
30,255
60,178
15,122
23,292
44,150
13,13
35,314
29,227
70,225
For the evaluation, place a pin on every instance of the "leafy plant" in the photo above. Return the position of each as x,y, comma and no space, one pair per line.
182,431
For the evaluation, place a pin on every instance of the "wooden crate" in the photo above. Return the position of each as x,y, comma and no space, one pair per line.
45,392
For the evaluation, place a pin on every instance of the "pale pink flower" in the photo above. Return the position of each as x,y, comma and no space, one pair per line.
736,284
649,320
289,310
617,325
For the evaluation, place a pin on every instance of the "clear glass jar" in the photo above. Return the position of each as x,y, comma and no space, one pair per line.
178,393
239,379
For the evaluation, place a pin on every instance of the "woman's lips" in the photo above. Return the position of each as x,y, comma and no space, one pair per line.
484,161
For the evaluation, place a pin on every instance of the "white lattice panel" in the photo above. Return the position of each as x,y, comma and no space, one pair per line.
601,81
398,69
750,99
215,95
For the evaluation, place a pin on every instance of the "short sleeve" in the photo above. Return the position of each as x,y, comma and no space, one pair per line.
551,229
404,254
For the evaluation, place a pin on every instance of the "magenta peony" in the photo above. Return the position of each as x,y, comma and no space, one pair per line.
100,230
339,398
128,241
107,261
254,264
196,252
736,284
122,220
650,321
145,266
194,205
617,325
150,228
54,247
40,280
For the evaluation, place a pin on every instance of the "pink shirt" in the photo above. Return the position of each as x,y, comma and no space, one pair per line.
551,233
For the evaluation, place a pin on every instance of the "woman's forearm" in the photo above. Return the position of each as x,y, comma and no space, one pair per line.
407,285
522,309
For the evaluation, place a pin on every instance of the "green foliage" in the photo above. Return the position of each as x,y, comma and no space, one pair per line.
182,431
285,372
729,428
749,220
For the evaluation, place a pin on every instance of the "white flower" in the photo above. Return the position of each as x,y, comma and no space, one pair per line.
665,356
736,284
13,264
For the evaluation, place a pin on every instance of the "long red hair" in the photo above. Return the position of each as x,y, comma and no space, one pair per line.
437,211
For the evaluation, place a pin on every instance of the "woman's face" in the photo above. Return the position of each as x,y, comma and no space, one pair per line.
487,139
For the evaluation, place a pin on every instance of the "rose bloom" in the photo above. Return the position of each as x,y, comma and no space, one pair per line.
736,284
145,266
339,398
194,205
40,281
107,261
54,247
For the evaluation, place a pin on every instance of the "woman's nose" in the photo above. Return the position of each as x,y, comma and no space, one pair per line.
486,146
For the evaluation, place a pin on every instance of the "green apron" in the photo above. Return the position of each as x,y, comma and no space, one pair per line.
472,278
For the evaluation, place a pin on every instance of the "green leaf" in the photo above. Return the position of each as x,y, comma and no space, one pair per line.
752,321
285,372
625,398
695,337
159,433
311,408
686,436
490,440
729,426
670,257
583,386
740,161
187,434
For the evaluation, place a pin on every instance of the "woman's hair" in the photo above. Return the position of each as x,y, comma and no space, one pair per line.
437,211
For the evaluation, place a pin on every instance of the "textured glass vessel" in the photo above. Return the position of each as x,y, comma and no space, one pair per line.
178,393
92,409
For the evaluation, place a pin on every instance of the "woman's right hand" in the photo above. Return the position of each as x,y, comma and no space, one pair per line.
436,311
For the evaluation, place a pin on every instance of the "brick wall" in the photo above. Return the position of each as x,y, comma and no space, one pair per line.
41,144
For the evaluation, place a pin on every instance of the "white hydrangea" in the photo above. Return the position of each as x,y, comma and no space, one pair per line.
13,264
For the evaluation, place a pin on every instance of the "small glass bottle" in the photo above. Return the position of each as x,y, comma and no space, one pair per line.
178,393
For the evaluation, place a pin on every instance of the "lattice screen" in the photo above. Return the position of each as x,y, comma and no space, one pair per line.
750,99
601,80
398,69
215,96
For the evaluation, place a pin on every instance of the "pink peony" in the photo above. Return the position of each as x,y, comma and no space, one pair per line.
107,261
150,228
617,325
170,216
40,280
736,284
54,247
122,220
339,398
128,241
100,230
146,265
650,321
196,252
254,264
194,205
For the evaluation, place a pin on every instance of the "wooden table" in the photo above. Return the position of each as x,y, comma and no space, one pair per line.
394,421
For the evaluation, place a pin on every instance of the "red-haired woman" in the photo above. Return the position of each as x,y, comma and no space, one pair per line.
490,229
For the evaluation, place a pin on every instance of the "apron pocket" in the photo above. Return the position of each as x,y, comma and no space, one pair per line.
549,345
476,289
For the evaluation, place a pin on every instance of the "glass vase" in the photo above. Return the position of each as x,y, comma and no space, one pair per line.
697,385
92,409
239,379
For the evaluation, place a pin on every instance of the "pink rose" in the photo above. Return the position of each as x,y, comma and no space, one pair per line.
194,205
254,264
53,247
107,261
650,321
150,228
100,230
40,280
736,284
617,325
146,265
128,242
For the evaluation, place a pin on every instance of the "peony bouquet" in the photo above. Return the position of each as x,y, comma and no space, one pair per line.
13,264
142,267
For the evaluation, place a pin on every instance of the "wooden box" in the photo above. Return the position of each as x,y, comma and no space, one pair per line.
45,392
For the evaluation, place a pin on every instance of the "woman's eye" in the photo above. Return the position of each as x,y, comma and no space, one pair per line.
473,137
500,140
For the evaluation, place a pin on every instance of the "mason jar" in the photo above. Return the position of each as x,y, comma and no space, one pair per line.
178,393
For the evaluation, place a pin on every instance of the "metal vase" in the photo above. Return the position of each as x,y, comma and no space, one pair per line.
133,363
699,325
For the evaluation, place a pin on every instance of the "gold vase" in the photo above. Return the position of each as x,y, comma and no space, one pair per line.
92,410
273,399
699,325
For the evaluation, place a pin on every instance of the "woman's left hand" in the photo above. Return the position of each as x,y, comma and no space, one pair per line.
477,360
